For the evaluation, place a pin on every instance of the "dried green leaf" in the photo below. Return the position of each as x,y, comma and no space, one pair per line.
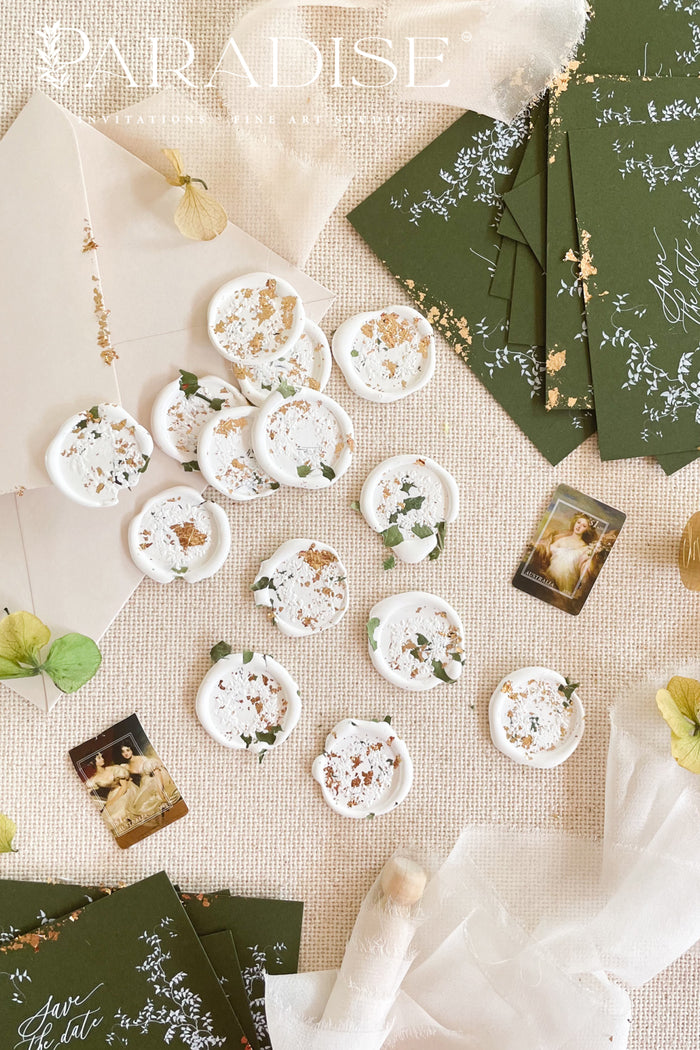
355,505
8,829
422,531
304,470
189,383
22,636
269,737
327,472
72,661
440,546
261,585
413,503
422,640
440,672
191,465
679,705
247,656
392,536
285,389
371,628
219,651
389,563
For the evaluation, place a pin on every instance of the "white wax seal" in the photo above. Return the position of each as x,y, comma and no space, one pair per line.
307,363
248,700
304,439
386,354
416,640
257,317
178,416
226,458
410,500
365,770
304,584
179,536
536,717
97,454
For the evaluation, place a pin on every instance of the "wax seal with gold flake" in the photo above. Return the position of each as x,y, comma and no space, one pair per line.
226,457
536,717
97,454
303,438
248,700
416,640
255,318
183,407
387,354
365,769
179,536
304,585
308,363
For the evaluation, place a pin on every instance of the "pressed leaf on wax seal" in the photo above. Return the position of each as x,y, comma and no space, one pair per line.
679,705
198,215
689,554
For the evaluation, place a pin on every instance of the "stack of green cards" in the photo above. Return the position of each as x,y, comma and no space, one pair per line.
139,967
561,255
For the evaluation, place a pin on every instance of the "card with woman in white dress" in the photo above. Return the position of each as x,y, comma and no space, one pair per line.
574,539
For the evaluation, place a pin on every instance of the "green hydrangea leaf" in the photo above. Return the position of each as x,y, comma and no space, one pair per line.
22,636
72,661
10,669
8,829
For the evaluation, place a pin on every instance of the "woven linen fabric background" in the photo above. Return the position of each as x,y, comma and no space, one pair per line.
265,830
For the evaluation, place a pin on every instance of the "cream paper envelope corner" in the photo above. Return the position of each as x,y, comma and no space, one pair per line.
86,216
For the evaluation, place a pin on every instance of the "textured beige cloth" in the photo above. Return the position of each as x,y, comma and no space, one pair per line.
265,829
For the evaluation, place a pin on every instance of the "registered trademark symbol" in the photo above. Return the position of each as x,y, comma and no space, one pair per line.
466,36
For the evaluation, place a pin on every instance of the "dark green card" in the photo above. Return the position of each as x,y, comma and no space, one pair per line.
642,238
433,224
527,203
223,956
267,936
26,905
502,281
126,971
632,38
590,102
527,309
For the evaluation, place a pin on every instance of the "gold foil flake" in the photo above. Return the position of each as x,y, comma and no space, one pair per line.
89,243
556,361
188,535
104,338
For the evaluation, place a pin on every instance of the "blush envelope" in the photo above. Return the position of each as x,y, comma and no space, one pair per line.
93,263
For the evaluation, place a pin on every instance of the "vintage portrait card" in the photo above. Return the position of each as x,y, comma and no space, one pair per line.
128,782
446,204
126,971
267,936
573,541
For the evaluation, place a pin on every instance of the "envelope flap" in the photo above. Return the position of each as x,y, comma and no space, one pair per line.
49,328
155,280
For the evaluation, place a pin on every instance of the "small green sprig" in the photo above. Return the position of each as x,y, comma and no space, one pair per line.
191,387
567,691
